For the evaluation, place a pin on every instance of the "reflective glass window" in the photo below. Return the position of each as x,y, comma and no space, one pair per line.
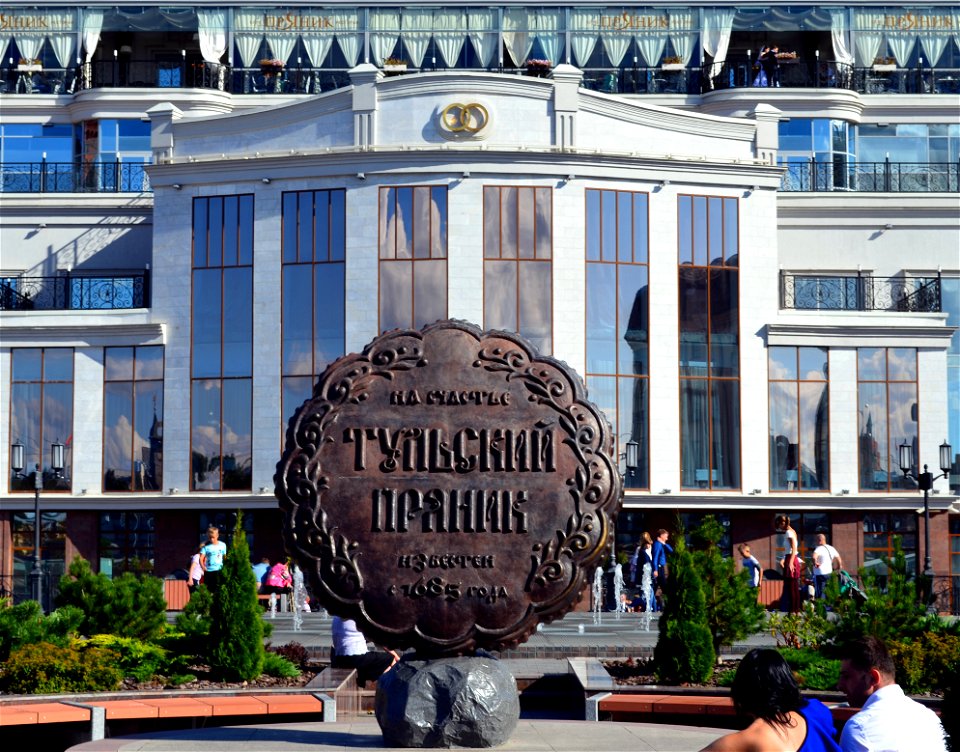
313,290
518,266
708,289
133,418
41,414
413,252
799,419
887,413
617,301
126,542
222,339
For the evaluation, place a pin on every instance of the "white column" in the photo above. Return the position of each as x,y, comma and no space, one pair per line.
87,441
844,462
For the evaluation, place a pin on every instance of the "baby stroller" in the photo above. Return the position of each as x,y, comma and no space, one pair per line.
849,586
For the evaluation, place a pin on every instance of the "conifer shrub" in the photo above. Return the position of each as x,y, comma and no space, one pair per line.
44,668
733,611
277,665
128,605
236,620
25,624
684,651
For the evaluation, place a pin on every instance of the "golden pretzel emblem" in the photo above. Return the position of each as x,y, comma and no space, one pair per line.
460,118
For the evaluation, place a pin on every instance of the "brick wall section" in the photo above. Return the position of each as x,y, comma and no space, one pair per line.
82,534
178,534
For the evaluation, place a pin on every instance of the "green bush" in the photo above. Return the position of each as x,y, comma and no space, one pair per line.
25,623
137,659
236,620
893,610
813,670
805,629
128,605
733,611
277,665
44,668
926,663
684,651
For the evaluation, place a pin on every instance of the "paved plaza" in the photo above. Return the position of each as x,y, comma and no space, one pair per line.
578,634
529,736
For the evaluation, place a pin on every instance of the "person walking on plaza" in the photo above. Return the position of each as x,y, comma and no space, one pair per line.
751,564
260,572
826,560
888,720
792,564
765,691
211,558
660,551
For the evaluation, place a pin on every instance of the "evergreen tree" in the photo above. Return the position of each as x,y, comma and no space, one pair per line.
684,651
129,605
236,621
733,611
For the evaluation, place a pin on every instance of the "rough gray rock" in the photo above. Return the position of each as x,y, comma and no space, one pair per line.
448,702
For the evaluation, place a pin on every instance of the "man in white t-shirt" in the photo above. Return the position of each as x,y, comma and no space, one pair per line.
889,720
826,559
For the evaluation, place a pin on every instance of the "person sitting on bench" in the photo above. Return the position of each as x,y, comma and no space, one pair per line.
350,651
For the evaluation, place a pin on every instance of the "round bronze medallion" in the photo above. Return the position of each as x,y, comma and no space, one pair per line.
448,489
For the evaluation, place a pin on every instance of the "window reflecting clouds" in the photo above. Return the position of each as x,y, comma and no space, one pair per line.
413,252
313,290
222,337
887,416
41,413
133,419
618,319
518,267
799,419
708,249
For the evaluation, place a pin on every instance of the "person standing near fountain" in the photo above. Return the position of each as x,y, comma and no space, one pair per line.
659,553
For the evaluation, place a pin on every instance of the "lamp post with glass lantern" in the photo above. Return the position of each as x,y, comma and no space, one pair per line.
18,464
631,458
925,483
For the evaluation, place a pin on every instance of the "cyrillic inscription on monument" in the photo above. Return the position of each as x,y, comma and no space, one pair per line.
448,488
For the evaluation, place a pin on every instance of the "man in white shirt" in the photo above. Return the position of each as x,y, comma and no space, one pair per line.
889,721
825,560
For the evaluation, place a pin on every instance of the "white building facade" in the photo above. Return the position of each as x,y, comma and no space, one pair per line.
764,309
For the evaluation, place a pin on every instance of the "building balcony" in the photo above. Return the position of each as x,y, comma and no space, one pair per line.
855,292
73,177
75,292
886,176
626,78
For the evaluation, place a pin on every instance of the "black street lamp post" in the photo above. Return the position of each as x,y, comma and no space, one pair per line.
17,463
631,459
925,483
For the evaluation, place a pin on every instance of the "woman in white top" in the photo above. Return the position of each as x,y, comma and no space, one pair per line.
792,564
350,651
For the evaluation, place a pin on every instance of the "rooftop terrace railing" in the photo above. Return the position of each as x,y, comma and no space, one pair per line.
73,177
623,79
886,176
855,292
68,292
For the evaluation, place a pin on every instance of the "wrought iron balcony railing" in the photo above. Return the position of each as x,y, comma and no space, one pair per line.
74,292
73,177
860,293
886,176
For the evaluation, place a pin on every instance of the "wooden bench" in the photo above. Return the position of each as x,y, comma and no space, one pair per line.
149,707
647,707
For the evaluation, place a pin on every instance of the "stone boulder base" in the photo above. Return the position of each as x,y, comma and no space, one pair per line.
448,702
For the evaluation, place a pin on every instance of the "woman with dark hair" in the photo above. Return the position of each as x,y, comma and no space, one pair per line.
765,691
